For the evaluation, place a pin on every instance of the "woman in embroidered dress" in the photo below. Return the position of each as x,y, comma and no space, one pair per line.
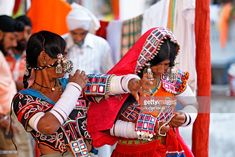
53,109
140,131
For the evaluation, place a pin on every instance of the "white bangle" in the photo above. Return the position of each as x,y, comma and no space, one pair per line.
119,84
76,85
67,102
123,129
126,80
190,114
33,122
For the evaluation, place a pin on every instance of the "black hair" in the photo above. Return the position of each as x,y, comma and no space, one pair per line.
8,24
51,43
25,20
168,50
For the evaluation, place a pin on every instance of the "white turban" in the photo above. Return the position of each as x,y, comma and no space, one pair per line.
80,17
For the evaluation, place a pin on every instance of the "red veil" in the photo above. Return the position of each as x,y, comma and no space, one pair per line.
102,116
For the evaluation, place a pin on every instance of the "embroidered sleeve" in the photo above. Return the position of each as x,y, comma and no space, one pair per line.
25,106
97,87
98,84
131,113
175,84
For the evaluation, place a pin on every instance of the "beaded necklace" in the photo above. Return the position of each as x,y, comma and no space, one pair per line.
51,88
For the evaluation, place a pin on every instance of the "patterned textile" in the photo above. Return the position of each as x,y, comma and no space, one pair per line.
178,85
131,31
98,84
145,126
152,46
131,113
28,102
26,105
79,148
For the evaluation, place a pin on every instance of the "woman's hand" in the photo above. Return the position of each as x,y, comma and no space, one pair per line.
163,129
178,119
79,77
134,87
146,85
140,87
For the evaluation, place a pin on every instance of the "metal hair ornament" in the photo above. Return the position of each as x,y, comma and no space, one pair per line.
63,64
171,75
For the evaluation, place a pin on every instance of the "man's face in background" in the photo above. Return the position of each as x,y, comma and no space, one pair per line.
21,42
8,41
79,36
22,38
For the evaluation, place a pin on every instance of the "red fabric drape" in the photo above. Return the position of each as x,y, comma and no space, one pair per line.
97,119
16,6
49,15
102,31
203,65
37,151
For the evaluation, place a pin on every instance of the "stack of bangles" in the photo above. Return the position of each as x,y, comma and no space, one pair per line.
143,129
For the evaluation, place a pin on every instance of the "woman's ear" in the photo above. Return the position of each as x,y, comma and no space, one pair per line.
1,35
42,59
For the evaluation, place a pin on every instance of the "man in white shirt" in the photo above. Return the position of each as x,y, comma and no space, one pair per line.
87,51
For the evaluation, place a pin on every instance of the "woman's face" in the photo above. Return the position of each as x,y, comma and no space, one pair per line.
45,60
160,68
52,70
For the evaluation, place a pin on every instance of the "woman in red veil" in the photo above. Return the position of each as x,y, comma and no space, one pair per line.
123,120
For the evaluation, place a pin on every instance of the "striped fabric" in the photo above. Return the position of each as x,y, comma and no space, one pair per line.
171,14
131,31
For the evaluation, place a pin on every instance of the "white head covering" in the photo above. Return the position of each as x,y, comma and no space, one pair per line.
80,17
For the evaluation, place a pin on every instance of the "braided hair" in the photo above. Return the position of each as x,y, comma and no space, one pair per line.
51,43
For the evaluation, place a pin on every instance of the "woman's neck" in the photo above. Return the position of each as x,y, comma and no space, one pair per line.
156,80
156,84
44,82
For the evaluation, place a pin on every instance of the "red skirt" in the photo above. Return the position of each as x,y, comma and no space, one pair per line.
168,146
150,149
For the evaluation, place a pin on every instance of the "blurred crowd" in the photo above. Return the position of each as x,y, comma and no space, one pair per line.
14,34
